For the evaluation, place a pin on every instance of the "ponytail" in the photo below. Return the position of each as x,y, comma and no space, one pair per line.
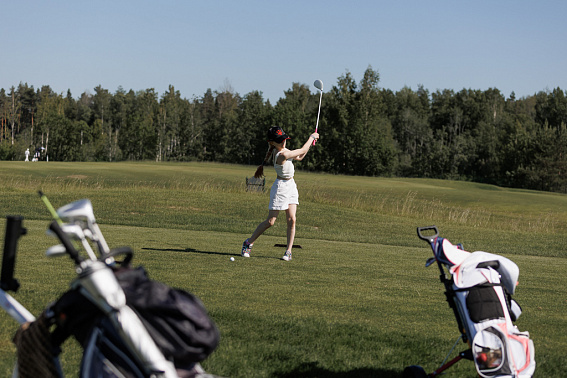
260,170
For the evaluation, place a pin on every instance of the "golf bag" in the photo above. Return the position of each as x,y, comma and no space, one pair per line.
479,290
128,325
176,320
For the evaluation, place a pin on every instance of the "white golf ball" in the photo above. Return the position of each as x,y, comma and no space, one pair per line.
232,259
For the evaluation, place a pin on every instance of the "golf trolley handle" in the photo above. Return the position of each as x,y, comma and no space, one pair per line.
431,238
121,251
14,230
69,247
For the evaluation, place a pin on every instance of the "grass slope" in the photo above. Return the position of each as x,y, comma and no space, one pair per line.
356,301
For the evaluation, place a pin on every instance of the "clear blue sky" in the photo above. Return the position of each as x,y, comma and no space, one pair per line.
512,45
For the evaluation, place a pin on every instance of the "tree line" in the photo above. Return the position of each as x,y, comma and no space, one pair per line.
474,135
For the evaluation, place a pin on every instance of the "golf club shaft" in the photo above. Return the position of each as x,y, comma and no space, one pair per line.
50,207
318,112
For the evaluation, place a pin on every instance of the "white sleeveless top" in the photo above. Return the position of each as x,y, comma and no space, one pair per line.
285,170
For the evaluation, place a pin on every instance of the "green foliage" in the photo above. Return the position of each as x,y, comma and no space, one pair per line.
469,135
6,150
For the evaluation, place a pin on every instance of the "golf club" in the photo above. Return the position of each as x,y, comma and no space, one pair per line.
56,251
319,85
75,232
82,210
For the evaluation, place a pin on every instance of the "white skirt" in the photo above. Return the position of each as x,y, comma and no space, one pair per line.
282,194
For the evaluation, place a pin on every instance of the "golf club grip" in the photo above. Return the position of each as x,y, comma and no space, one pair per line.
69,247
427,238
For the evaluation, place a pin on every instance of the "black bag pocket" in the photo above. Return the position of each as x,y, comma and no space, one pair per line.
177,320
483,304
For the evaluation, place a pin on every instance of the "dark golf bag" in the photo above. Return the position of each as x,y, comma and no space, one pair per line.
127,324
176,320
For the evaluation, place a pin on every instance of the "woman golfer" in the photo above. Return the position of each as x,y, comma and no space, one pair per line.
283,195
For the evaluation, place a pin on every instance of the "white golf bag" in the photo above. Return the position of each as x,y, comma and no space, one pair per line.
483,284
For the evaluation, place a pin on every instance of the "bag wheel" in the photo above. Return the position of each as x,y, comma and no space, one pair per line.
414,371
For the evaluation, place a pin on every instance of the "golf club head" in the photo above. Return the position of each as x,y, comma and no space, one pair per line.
78,210
88,234
74,231
56,251
318,84
82,210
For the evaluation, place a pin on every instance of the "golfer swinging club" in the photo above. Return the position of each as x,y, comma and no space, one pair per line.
283,194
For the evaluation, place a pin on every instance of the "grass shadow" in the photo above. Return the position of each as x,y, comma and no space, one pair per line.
313,370
193,250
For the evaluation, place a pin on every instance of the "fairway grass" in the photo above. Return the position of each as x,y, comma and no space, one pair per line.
356,300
